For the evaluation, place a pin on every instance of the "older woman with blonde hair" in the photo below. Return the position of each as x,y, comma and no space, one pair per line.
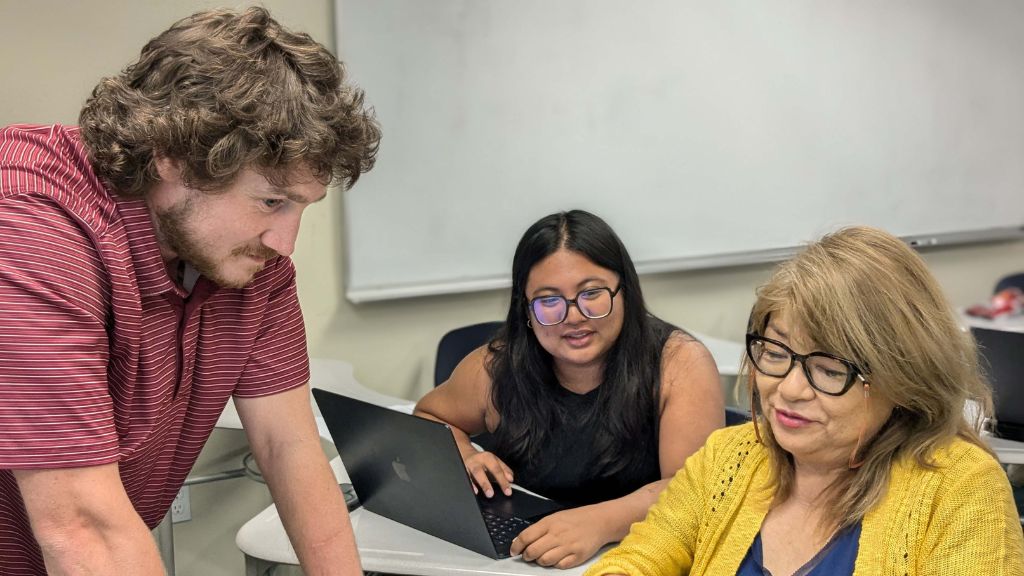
859,459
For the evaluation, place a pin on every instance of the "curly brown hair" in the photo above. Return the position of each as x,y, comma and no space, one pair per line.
221,91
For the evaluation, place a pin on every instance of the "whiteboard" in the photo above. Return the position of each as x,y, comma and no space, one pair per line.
707,133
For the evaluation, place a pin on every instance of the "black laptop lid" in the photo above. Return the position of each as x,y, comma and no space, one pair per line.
1002,354
407,469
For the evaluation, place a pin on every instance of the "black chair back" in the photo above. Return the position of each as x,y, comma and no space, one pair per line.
734,416
453,347
457,343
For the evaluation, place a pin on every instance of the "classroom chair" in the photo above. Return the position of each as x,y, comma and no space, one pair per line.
453,347
457,343
734,416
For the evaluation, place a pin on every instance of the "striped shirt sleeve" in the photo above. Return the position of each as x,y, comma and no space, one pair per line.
55,408
279,360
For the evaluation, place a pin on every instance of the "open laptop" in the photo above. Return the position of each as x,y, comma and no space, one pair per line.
1002,353
409,469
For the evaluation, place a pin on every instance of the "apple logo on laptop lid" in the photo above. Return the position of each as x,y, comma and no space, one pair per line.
400,469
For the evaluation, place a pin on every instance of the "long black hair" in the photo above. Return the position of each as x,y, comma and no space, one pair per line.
524,385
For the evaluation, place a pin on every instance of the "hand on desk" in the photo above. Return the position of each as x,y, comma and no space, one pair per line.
483,467
564,539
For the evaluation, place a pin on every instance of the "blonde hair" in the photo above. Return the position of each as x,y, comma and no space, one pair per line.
863,294
220,91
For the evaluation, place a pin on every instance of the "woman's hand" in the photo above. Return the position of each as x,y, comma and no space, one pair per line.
483,467
564,539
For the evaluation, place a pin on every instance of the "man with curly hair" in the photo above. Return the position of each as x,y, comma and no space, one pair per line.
145,279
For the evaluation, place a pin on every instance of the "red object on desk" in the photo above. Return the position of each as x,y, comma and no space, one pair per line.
1009,302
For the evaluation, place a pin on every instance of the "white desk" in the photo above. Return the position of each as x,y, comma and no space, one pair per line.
1008,451
384,545
1008,323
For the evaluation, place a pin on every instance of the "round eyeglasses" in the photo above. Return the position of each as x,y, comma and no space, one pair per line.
594,303
826,373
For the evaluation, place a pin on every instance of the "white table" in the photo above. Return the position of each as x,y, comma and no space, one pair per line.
1008,323
1008,451
384,545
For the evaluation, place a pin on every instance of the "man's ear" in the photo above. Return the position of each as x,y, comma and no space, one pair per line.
169,169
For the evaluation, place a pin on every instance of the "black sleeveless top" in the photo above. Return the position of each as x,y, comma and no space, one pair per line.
565,471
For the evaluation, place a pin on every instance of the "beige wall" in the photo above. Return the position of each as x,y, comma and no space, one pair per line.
54,51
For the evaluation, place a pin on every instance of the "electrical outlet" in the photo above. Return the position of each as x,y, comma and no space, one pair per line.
181,507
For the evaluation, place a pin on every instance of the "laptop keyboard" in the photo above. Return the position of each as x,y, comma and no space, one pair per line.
503,529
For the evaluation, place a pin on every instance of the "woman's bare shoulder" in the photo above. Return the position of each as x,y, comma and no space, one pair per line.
683,349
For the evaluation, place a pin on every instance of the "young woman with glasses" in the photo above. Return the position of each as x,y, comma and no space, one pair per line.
591,400
859,459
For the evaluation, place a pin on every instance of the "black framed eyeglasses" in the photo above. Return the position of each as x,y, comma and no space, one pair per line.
826,373
594,303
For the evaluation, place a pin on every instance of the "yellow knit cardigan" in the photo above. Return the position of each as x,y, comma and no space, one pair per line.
957,519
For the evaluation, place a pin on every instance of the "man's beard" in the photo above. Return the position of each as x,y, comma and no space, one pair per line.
173,231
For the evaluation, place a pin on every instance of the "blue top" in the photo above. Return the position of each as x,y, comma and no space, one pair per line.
837,558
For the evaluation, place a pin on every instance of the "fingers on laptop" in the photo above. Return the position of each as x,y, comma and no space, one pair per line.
484,467
533,541
546,551
564,539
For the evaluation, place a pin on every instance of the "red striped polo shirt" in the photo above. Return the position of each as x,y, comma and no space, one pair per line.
102,357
